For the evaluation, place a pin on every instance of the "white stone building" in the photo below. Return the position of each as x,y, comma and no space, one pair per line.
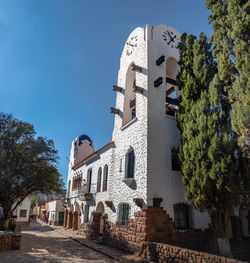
22,212
56,212
138,168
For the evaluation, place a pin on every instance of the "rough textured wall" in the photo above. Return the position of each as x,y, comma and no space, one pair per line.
134,134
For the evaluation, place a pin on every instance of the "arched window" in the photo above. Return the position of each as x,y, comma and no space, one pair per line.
99,180
105,179
172,91
129,106
130,163
123,214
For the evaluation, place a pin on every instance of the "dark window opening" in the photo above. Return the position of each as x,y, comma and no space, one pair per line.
183,218
124,210
23,213
176,166
99,180
105,179
89,178
130,164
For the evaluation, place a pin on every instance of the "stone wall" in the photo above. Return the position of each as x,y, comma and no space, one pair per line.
155,225
164,253
10,241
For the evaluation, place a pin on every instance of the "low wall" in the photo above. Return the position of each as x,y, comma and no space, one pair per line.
155,225
164,253
10,241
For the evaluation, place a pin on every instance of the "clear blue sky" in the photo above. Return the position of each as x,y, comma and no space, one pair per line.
60,58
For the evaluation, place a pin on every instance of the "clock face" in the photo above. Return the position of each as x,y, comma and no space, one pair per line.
171,39
131,45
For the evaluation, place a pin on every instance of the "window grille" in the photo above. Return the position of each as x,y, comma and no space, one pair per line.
99,180
130,164
183,218
124,210
23,213
105,179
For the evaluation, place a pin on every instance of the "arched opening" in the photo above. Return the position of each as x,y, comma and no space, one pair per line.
99,180
172,91
130,163
105,179
129,108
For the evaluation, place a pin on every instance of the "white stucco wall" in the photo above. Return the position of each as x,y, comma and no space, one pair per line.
151,134
163,133
55,207
25,205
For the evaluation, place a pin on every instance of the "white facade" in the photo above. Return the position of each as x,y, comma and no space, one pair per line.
55,207
22,212
151,134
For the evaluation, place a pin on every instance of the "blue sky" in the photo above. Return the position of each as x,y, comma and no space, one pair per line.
60,58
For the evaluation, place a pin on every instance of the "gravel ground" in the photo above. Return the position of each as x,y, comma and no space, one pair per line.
45,244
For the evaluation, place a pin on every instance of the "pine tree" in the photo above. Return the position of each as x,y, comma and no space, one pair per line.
231,40
208,145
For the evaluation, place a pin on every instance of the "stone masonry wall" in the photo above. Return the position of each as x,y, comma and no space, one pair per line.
164,253
155,225
10,241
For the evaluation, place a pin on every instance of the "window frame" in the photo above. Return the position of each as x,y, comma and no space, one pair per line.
99,180
21,211
183,216
124,211
105,178
127,170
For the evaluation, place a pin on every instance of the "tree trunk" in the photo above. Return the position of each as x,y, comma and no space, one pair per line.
221,224
224,247
6,224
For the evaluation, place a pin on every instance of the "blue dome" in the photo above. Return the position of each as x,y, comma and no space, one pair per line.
82,138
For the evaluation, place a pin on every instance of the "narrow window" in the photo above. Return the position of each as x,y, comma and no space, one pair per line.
120,165
124,210
105,179
130,157
175,160
89,178
183,218
23,213
99,180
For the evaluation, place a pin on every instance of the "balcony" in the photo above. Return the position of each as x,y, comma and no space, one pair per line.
86,192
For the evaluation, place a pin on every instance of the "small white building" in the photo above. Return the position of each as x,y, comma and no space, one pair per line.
56,212
136,174
22,212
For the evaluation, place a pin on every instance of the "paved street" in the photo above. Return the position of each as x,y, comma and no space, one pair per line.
45,244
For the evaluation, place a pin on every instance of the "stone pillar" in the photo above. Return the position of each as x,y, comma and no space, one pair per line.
70,219
65,218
